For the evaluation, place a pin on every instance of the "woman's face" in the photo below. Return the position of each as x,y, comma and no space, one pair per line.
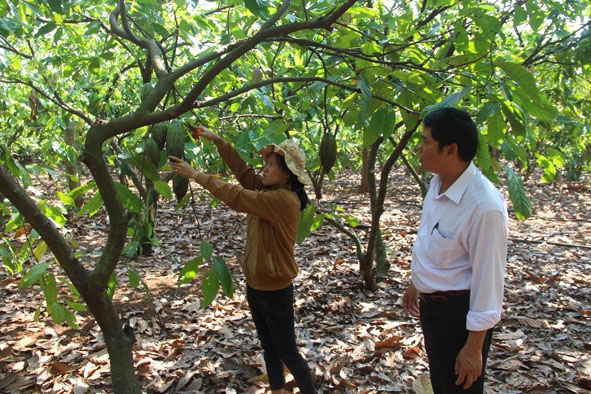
273,173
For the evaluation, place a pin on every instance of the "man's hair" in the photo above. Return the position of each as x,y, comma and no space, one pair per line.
454,126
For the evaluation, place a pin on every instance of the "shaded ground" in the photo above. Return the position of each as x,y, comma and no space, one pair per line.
356,341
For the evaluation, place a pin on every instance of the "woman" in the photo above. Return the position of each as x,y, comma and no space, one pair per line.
273,203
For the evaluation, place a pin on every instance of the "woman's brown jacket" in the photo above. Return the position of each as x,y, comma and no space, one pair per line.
272,221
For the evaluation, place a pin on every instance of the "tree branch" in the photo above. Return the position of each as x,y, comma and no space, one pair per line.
46,229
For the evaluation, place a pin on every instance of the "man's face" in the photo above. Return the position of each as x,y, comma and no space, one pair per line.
430,155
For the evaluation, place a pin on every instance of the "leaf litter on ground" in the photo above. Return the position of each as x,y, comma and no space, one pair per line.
356,341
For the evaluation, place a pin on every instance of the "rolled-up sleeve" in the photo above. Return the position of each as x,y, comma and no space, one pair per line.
488,256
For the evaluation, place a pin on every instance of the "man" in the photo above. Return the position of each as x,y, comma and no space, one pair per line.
459,256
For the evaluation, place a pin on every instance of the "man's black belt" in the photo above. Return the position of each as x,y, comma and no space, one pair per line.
443,296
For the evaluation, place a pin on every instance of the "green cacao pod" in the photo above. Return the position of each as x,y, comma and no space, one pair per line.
146,90
180,186
152,151
175,140
159,134
328,151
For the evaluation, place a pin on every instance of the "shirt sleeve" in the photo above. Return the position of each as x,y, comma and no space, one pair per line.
268,205
488,257
245,174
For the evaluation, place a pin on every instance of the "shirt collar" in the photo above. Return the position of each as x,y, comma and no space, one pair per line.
457,189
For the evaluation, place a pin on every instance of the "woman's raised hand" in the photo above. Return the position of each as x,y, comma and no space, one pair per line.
202,131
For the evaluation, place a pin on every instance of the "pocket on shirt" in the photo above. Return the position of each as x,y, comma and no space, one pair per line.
446,248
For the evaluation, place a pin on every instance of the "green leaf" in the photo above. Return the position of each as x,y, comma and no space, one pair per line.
548,167
77,306
517,127
58,314
487,110
134,279
495,130
40,250
50,291
163,188
129,199
449,101
190,270
131,248
517,194
70,319
206,249
46,29
112,284
258,8
56,214
524,79
224,276
33,275
366,94
542,110
92,206
209,288
382,122
305,223
482,154
66,199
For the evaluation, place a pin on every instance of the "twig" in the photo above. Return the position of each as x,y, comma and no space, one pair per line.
541,241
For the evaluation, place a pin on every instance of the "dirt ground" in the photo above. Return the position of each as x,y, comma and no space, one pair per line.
356,341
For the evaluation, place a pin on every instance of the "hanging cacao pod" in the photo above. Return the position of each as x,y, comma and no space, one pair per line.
159,131
146,90
180,186
152,151
328,151
175,140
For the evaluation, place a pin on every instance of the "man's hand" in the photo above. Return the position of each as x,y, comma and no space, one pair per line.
410,300
469,361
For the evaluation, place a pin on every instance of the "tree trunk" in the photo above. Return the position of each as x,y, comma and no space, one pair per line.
118,341
318,185
367,271
364,185
1,213
382,263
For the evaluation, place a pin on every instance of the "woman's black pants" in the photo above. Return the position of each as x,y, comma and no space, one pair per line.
272,312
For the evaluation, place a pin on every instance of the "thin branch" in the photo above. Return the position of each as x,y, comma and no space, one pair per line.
244,89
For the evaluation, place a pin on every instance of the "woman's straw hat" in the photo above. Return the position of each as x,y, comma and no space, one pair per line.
295,158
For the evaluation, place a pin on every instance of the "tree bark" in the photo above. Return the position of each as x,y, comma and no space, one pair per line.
364,184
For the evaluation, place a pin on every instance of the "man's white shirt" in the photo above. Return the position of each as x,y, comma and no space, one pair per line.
462,245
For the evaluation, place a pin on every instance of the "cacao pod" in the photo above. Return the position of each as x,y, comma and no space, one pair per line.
257,75
159,134
328,151
175,140
146,90
180,186
152,151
